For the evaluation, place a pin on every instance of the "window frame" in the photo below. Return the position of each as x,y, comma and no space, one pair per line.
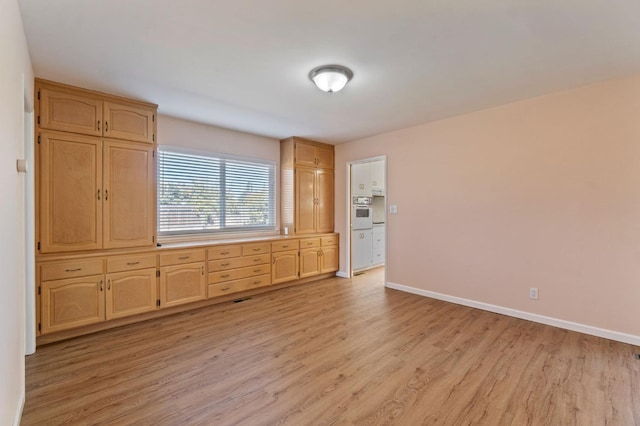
223,232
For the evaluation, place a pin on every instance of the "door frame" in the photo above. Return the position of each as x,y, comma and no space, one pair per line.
349,269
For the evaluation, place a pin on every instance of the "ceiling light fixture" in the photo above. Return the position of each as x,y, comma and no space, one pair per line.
330,78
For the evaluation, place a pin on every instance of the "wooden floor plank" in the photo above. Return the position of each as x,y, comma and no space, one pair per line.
334,352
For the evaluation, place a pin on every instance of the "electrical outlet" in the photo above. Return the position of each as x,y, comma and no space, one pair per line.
533,293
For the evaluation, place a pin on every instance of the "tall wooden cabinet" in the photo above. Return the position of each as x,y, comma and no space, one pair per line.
95,159
307,180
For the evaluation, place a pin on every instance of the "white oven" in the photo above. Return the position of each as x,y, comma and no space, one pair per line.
361,213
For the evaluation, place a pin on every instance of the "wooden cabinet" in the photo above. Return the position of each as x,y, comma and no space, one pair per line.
74,110
329,254
284,266
307,186
70,192
129,194
309,257
72,302
182,277
238,267
313,154
130,293
93,193
377,177
129,122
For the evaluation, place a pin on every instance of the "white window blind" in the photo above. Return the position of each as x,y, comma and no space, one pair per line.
207,193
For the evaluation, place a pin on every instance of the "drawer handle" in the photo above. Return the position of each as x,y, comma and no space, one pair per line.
287,246
225,288
73,270
257,282
257,270
183,257
132,263
257,260
224,276
309,244
257,249
224,264
224,253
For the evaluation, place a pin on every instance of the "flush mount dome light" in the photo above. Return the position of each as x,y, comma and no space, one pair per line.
330,78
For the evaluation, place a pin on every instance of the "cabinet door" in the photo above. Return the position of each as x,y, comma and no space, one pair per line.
305,204
324,158
329,260
130,293
361,179
129,194
72,303
361,249
324,204
70,184
309,262
284,267
128,122
377,175
181,284
70,112
305,154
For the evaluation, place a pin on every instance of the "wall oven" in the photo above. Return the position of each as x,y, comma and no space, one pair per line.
361,213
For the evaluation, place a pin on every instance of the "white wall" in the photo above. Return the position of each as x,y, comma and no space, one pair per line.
15,67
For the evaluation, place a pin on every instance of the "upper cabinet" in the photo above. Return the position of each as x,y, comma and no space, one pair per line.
312,154
367,179
307,180
77,111
93,192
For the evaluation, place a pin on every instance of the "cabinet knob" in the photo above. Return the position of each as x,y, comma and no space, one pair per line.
98,125
106,194
109,285
106,126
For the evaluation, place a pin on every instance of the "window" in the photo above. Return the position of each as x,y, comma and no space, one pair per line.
208,193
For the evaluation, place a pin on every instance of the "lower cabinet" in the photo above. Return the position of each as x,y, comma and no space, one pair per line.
182,277
361,249
309,257
330,259
72,302
131,293
284,266
238,267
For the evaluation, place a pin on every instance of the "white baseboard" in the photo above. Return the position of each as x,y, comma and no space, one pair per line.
18,417
342,274
568,325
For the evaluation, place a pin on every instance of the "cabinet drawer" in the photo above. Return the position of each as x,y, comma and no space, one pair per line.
238,262
378,241
183,256
70,269
234,274
329,241
284,245
309,243
130,263
236,286
224,252
252,249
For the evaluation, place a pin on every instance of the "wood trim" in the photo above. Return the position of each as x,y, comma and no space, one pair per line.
42,83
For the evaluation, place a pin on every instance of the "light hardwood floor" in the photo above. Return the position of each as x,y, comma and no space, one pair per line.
335,352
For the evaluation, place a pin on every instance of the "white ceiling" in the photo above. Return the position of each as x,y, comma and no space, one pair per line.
243,64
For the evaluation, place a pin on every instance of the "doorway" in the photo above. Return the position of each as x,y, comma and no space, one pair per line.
366,214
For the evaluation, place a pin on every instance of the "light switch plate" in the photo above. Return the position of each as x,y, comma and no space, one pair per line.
393,209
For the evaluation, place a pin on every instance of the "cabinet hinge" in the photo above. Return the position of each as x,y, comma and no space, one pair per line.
39,290
154,137
38,245
153,117
158,302
38,120
39,327
158,274
298,274
38,94
154,153
153,239
38,139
